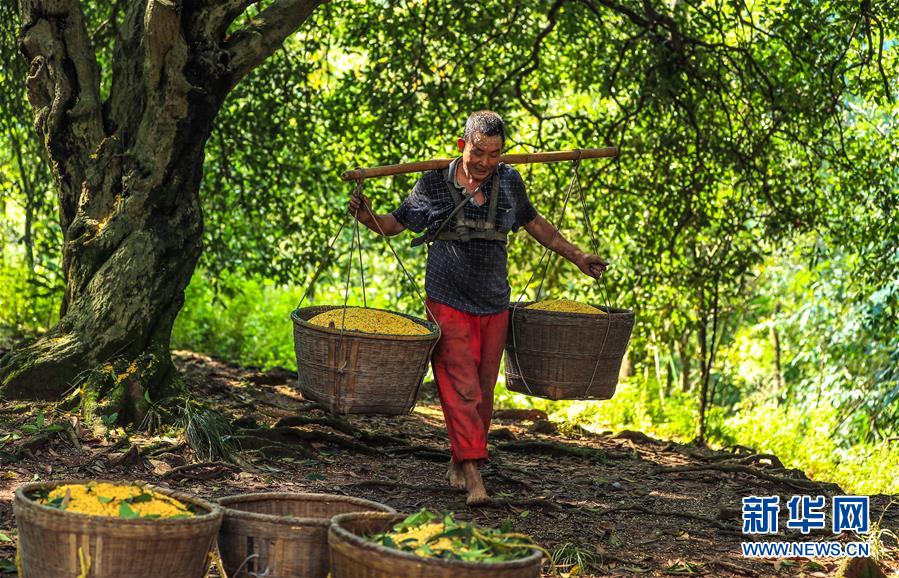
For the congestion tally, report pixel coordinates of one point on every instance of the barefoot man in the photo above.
(467, 280)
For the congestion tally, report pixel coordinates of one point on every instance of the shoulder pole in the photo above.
(513, 159)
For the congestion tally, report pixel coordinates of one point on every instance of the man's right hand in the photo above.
(360, 207)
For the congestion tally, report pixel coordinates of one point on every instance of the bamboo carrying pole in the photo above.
(517, 159)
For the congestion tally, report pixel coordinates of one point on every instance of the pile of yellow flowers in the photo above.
(369, 321)
(114, 500)
(566, 306)
(442, 536)
(426, 539)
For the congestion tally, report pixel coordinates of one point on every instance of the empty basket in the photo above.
(282, 535)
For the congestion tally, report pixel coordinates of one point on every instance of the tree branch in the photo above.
(265, 34)
(212, 22)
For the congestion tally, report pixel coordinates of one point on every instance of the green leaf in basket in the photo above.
(104, 500)
(388, 541)
(142, 497)
(4, 538)
(58, 503)
(126, 512)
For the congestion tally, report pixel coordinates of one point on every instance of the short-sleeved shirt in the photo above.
(470, 276)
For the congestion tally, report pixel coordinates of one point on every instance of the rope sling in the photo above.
(575, 178)
(356, 240)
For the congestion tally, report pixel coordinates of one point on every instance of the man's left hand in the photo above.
(592, 265)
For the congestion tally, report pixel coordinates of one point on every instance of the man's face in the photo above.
(481, 155)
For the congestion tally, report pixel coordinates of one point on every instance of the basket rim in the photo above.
(358, 541)
(214, 511)
(611, 312)
(434, 329)
(294, 496)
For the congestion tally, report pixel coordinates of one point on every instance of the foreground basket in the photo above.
(353, 372)
(559, 355)
(282, 535)
(58, 544)
(355, 557)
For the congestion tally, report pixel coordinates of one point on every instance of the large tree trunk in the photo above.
(128, 176)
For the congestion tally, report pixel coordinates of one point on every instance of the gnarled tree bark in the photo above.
(128, 174)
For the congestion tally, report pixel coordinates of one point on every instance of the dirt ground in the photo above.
(621, 504)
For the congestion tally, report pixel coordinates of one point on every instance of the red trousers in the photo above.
(466, 364)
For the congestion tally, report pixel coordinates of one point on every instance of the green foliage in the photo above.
(806, 439)
(26, 308)
(207, 432)
(249, 324)
(755, 194)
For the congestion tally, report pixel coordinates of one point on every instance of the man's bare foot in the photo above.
(477, 493)
(455, 476)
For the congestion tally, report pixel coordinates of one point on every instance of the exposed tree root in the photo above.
(288, 435)
(201, 471)
(532, 502)
(555, 449)
(423, 452)
(493, 473)
(635, 436)
(340, 425)
(794, 483)
(749, 460)
(403, 485)
(273, 449)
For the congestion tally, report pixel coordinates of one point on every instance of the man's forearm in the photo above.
(551, 238)
(564, 248)
(385, 224)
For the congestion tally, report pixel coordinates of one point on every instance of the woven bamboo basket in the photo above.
(282, 535)
(352, 556)
(59, 544)
(561, 355)
(354, 372)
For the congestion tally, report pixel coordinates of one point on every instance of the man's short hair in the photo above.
(487, 123)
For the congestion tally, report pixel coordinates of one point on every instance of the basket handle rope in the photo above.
(399, 261)
(575, 179)
(326, 259)
(601, 281)
(576, 165)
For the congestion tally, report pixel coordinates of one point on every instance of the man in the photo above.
(467, 280)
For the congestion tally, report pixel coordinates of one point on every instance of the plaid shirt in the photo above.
(469, 276)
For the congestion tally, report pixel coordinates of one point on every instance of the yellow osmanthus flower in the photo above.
(369, 321)
(421, 535)
(442, 536)
(105, 499)
(566, 306)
